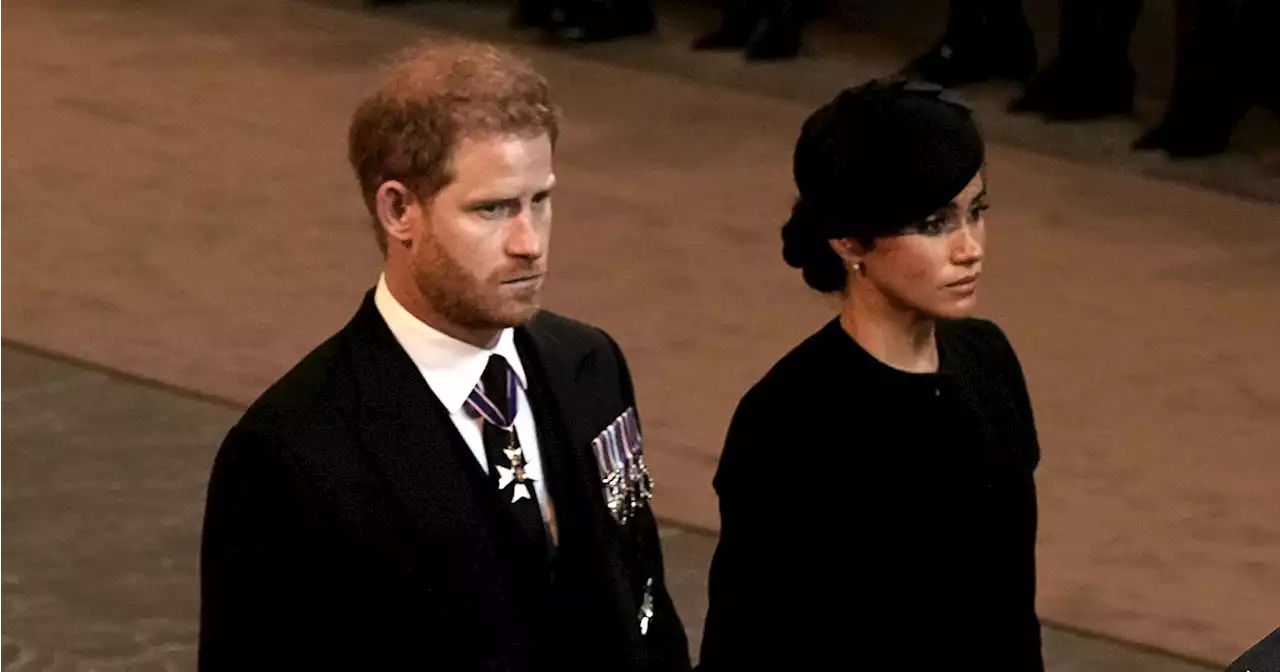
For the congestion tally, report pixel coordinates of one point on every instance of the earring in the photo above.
(857, 267)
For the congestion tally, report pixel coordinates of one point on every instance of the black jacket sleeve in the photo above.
(746, 624)
(257, 561)
(1027, 631)
(667, 646)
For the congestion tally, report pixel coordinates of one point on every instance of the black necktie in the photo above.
(494, 400)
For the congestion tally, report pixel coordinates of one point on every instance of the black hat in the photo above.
(885, 155)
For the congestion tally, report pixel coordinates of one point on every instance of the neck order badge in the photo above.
(494, 400)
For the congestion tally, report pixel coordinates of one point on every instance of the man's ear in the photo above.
(397, 209)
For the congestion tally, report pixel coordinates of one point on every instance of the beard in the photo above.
(466, 301)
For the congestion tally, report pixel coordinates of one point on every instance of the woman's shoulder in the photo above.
(770, 412)
(973, 329)
(978, 339)
(799, 368)
(979, 348)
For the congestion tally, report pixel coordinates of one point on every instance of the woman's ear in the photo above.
(849, 250)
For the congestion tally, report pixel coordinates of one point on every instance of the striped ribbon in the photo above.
(484, 406)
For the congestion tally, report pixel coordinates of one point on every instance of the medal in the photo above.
(624, 478)
(515, 473)
(646, 607)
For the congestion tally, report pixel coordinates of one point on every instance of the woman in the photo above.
(876, 487)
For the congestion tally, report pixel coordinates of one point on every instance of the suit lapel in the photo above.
(412, 440)
(554, 369)
(549, 390)
(413, 443)
(589, 546)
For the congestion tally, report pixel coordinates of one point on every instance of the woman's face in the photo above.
(933, 268)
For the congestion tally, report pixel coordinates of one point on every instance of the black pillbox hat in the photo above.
(885, 155)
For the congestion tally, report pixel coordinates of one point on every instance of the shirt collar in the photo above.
(451, 367)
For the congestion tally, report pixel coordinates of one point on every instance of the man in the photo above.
(455, 480)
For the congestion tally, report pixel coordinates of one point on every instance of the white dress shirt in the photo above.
(452, 369)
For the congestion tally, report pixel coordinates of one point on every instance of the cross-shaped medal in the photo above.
(515, 473)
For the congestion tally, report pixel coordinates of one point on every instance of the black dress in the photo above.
(873, 519)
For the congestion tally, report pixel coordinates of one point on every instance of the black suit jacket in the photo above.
(348, 526)
(1261, 657)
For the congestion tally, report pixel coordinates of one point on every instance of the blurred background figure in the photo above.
(763, 29)
(1091, 76)
(586, 20)
(1225, 65)
(984, 39)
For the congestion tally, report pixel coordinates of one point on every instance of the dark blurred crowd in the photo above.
(1224, 65)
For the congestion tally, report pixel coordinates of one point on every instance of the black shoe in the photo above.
(727, 36)
(949, 66)
(1270, 100)
(600, 28)
(1072, 92)
(531, 14)
(944, 66)
(774, 40)
(1154, 139)
(1045, 89)
(1196, 145)
(1110, 94)
(1186, 139)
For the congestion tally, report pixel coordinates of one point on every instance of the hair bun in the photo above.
(801, 237)
(805, 246)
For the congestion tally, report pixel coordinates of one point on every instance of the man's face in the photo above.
(477, 250)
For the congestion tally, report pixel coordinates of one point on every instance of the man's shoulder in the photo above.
(570, 336)
(565, 327)
(1261, 657)
(307, 395)
(588, 355)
